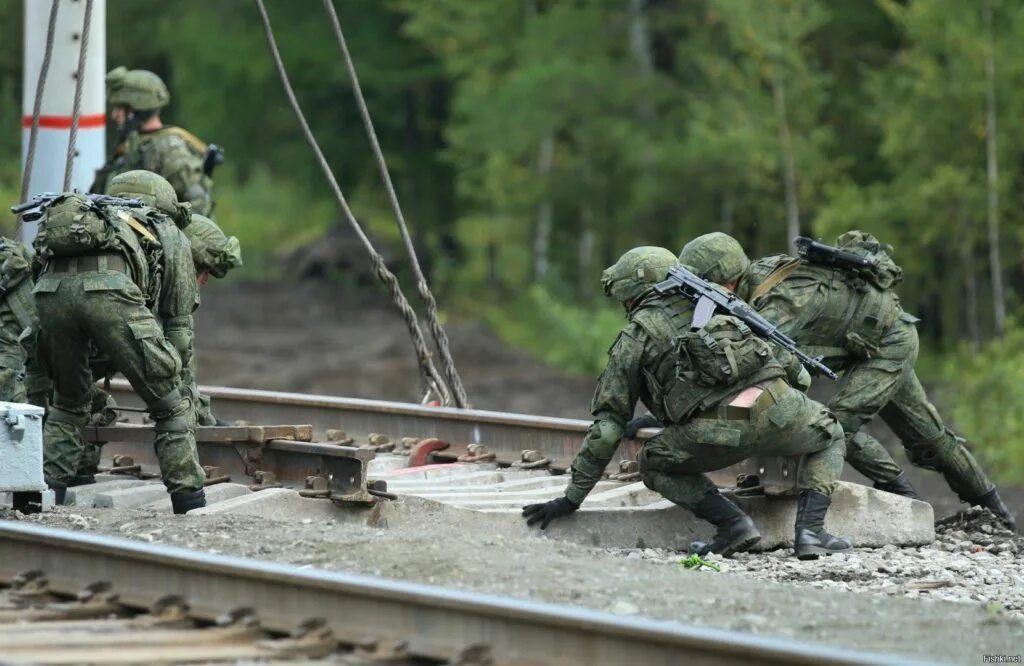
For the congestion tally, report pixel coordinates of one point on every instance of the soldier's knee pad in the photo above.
(59, 415)
(936, 453)
(171, 424)
(165, 405)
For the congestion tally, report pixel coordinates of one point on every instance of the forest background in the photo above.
(533, 141)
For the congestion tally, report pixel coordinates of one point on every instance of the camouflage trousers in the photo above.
(887, 385)
(105, 310)
(782, 422)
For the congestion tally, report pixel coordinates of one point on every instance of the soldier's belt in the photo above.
(727, 411)
(109, 261)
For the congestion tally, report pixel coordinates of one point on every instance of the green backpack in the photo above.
(723, 352)
(73, 225)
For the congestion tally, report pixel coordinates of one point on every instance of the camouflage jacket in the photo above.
(171, 152)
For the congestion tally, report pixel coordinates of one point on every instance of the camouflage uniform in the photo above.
(215, 253)
(855, 321)
(704, 431)
(104, 298)
(18, 320)
(171, 152)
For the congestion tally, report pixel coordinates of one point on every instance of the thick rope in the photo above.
(37, 107)
(436, 330)
(430, 375)
(76, 109)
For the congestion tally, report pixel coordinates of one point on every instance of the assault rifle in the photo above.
(709, 298)
(814, 252)
(31, 210)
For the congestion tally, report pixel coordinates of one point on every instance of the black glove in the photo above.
(634, 426)
(548, 511)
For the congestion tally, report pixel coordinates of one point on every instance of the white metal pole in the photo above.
(58, 97)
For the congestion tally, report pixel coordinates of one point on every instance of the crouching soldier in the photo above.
(112, 268)
(723, 397)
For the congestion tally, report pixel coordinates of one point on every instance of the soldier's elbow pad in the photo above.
(604, 438)
(178, 331)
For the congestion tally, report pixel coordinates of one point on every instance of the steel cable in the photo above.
(431, 377)
(436, 330)
(76, 109)
(37, 107)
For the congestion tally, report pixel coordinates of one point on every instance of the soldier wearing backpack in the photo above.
(852, 317)
(186, 162)
(723, 396)
(118, 278)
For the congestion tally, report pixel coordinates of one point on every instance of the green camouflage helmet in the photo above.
(136, 88)
(152, 189)
(212, 251)
(636, 271)
(716, 257)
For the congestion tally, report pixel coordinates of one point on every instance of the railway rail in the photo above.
(504, 435)
(69, 597)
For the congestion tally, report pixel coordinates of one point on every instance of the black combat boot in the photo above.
(811, 539)
(735, 532)
(82, 479)
(183, 502)
(59, 491)
(994, 503)
(898, 486)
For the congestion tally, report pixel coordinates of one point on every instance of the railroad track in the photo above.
(74, 598)
(505, 436)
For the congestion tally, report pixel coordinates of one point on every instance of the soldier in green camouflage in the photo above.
(136, 97)
(18, 320)
(213, 253)
(108, 269)
(854, 320)
(714, 417)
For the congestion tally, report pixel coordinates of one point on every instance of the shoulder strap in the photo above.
(773, 280)
(193, 141)
(137, 226)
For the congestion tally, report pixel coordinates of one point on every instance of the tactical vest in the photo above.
(828, 311)
(698, 369)
(139, 151)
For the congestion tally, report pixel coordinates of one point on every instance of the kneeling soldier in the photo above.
(723, 397)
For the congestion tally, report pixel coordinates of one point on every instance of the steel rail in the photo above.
(506, 434)
(432, 621)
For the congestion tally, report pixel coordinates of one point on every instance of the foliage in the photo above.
(984, 393)
(556, 331)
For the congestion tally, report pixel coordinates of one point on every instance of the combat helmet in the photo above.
(716, 257)
(212, 250)
(636, 271)
(136, 88)
(152, 189)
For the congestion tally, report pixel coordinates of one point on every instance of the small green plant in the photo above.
(696, 562)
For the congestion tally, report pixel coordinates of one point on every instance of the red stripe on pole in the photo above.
(64, 122)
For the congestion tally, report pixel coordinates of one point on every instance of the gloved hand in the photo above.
(635, 425)
(548, 511)
(803, 380)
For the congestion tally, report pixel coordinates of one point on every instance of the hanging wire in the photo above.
(436, 330)
(430, 375)
(76, 110)
(37, 107)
